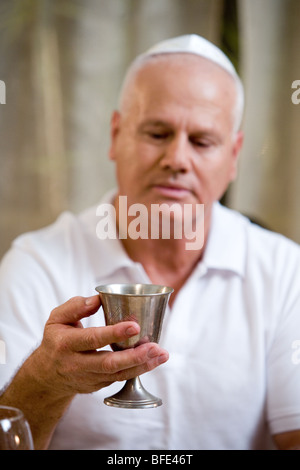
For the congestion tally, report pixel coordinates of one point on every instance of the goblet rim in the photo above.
(18, 414)
(102, 289)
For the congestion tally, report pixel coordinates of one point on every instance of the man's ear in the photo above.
(114, 130)
(237, 145)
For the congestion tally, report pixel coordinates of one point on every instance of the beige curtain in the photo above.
(268, 186)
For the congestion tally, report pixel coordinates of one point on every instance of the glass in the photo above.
(145, 304)
(15, 433)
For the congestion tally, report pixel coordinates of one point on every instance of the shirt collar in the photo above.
(109, 255)
(227, 242)
(225, 248)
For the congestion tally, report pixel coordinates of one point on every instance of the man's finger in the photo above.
(74, 310)
(142, 359)
(89, 339)
(116, 365)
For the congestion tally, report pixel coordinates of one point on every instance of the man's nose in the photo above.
(176, 155)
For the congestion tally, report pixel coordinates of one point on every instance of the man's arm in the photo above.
(68, 362)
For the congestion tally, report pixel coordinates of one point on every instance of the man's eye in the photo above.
(159, 135)
(201, 143)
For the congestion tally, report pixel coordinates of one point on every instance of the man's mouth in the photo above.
(171, 190)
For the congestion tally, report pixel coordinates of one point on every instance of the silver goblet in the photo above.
(146, 305)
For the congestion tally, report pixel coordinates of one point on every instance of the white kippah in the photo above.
(193, 44)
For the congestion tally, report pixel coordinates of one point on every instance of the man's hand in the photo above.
(69, 361)
(69, 358)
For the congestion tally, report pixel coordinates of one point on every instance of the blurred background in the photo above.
(63, 61)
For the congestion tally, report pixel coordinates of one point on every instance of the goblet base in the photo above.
(133, 395)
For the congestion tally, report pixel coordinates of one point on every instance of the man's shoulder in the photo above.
(67, 232)
(261, 240)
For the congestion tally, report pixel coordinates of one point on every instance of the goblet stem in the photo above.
(133, 395)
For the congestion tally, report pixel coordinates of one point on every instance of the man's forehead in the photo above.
(167, 80)
(181, 76)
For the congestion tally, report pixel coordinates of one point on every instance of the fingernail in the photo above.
(90, 300)
(131, 331)
(162, 358)
(152, 352)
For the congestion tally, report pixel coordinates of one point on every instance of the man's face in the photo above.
(173, 141)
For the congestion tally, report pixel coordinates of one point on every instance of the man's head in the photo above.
(175, 138)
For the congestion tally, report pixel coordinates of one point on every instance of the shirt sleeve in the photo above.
(283, 359)
(26, 300)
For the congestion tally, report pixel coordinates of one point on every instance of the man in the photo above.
(229, 379)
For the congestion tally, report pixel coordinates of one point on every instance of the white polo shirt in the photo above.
(233, 334)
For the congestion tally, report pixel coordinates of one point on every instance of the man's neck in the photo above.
(166, 262)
